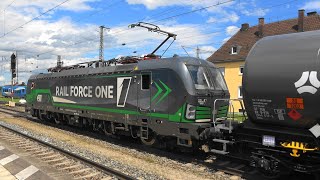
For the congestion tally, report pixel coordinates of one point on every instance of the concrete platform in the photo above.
(16, 164)
(14, 167)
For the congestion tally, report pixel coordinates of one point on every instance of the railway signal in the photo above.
(13, 65)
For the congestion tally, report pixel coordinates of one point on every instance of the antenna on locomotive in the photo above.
(154, 28)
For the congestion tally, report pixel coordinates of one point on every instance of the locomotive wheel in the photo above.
(152, 137)
(107, 128)
(33, 112)
(39, 115)
(56, 119)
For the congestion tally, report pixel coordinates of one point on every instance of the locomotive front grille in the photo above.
(222, 111)
(203, 113)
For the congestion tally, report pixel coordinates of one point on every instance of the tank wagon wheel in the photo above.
(316, 175)
(273, 173)
(151, 140)
(270, 175)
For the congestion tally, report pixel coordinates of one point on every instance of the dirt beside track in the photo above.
(161, 166)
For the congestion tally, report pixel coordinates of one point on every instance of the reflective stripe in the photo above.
(203, 120)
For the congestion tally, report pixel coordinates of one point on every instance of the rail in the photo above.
(89, 162)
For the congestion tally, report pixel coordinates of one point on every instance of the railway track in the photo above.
(72, 164)
(228, 165)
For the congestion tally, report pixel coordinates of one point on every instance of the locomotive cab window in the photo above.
(207, 78)
(145, 81)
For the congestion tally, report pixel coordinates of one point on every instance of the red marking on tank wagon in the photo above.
(294, 114)
(295, 103)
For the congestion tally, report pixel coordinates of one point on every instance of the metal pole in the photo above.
(101, 44)
(4, 22)
(17, 69)
(198, 52)
(11, 85)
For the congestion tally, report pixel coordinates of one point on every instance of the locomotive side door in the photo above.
(144, 102)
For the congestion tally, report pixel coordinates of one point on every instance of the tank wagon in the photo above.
(281, 97)
(169, 101)
(280, 86)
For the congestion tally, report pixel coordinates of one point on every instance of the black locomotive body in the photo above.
(166, 100)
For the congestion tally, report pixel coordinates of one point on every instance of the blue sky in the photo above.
(71, 30)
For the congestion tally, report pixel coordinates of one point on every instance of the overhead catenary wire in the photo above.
(9, 4)
(181, 14)
(92, 14)
(80, 42)
(49, 10)
(268, 7)
(163, 20)
(193, 11)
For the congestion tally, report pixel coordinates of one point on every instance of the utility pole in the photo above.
(4, 22)
(59, 62)
(13, 72)
(17, 66)
(198, 52)
(101, 49)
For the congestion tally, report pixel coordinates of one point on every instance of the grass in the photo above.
(238, 117)
(3, 99)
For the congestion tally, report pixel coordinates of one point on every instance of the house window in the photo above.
(234, 50)
(222, 70)
(240, 92)
(241, 68)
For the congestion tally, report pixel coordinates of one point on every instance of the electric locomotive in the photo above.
(157, 100)
(166, 101)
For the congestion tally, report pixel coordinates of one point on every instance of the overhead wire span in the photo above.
(51, 9)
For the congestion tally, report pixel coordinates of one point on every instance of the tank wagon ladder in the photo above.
(220, 125)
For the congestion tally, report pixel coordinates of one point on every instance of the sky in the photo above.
(39, 30)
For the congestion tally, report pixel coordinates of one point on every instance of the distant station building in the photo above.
(231, 56)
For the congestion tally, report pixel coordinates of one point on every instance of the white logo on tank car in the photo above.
(312, 77)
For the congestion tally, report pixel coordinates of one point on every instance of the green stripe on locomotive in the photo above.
(176, 117)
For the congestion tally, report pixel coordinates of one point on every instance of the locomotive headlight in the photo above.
(190, 112)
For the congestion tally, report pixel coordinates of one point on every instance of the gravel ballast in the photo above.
(139, 164)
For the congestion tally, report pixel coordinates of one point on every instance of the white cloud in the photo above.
(153, 4)
(2, 78)
(227, 17)
(204, 51)
(225, 39)
(51, 37)
(255, 12)
(207, 51)
(44, 5)
(311, 5)
(139, 38)
(231, 30)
